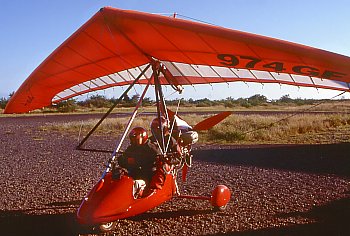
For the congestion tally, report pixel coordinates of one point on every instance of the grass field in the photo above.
(321, 122)
(240, 129)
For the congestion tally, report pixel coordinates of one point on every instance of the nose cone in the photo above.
(108, 199)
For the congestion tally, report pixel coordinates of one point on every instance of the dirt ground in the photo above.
(276, 189)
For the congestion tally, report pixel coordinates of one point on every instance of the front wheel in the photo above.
(106, 227)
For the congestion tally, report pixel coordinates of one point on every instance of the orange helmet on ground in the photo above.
(138, 136)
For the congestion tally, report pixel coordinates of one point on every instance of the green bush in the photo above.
(3, 102)
(67, 106)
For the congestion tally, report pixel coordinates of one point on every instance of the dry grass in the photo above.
(240, 129)
(109, 125)
(274, 129)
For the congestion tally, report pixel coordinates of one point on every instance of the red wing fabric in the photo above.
(114, 46)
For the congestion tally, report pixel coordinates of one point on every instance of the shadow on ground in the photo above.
(170, 214)
(319, 159)
(330, 219)
(34, 222)
(21, 223)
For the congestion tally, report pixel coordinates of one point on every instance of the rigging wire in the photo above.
(174, 15)
(81, 126)
(292, 115)
(173, 125)
(194, 19)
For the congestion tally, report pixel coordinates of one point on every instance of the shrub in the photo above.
(3, 102)
(97, 101)
(67, 106)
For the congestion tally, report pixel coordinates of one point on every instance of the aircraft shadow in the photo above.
(170, 214)
(20, 222)
(25, 222)
(330, 219)
(318, 159)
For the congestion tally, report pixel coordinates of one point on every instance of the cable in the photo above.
(194, 19)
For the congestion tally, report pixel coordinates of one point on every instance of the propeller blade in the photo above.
(170, 113)
(211, 121)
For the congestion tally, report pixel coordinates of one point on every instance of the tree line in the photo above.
(100, 101)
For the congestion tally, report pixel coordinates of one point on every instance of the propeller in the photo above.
(211, 121)
(206, 123)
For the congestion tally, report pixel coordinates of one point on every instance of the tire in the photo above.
(222, 208)
(106, 227)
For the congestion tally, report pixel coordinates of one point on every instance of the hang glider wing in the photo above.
(114, 46)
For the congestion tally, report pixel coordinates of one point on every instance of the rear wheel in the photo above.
(106, 227)
(220, 208)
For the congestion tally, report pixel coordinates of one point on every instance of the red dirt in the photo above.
(277, 189)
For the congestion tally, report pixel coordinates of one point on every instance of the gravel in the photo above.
(276, 189)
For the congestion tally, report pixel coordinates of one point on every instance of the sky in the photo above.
(31, 30)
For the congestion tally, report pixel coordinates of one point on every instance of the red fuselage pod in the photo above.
(112, 199)
(220, 196)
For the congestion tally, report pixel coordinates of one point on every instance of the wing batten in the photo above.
(181, 73)
(199, 74)
(116, 79)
